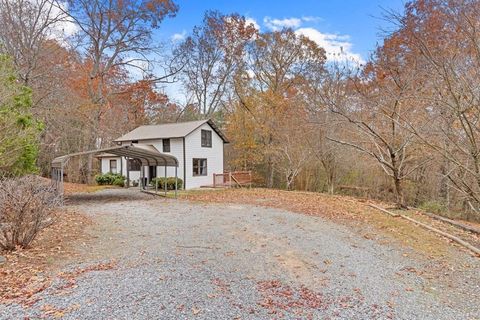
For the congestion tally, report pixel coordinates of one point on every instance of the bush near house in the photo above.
(27, 207)
(114, 179)
(170, 183)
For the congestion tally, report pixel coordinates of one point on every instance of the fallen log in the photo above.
(384, 211)
(452, 222)
(426, 226)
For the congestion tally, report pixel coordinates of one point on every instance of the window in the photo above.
(166, 145)
(206, 138)
(113, 166)
(134, 165)
(199, 167)
(134, 141)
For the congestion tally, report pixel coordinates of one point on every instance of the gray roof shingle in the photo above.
(168, 130)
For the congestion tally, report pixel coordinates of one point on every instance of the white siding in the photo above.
(214, 156)
(106, 164)
(176, 150)
(105, 167)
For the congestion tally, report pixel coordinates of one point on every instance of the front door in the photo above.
(152, 173)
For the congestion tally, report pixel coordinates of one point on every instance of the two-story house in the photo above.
(197, 145)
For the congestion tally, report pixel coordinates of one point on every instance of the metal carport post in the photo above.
(165, 181)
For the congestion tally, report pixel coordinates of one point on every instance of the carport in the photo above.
(146, 154)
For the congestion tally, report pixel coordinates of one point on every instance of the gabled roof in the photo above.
(168, 130)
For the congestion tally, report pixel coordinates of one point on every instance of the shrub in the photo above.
(27, 207)
(433, 207)
(170, 183)
(115, 179)
(119, 181)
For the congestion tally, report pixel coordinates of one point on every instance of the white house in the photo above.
(197, 145)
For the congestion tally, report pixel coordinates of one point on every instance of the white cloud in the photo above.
(311, 19)
(337, 47)
(252, 22)
(278, 24)
(60, 26)
(179, 36)
(293, 22)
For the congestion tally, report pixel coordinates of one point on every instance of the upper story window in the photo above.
(166, 145)
(207, 138)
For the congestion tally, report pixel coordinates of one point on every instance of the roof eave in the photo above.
(217, 130)
(148, 139)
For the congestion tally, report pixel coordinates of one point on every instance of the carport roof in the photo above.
(148, 155)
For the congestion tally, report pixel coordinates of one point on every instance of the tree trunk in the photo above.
(270, 173)
(329, 167)
(331, 188)
(289, 180)
(444, 184)
(89, 169)
(399, 194)
(331, 180)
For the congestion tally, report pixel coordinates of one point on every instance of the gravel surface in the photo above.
(180, 260)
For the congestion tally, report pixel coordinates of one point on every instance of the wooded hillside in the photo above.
(402, 127)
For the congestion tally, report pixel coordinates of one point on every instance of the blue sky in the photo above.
(353, 25)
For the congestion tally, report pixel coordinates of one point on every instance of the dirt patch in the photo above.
(295, 264)
(286, 261)
(29, 271)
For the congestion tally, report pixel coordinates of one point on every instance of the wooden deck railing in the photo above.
(232, 179)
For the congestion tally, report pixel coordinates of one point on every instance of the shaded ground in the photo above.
(150, 257)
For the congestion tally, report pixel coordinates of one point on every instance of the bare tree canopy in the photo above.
(25, 30)
(211, 56)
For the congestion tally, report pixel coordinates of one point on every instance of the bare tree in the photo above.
(377, 105)
(445, 34)
(114, 35)
(278, 65)
(291, 154)
(26, 27)
(324, 150)
(210, 57)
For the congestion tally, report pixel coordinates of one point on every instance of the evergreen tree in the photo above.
(19, 130)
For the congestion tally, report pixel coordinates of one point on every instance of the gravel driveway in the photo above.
(181, 260)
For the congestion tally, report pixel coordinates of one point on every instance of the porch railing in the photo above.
(232, 179)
